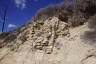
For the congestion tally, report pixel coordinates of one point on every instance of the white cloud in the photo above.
(12, 26)
(20, 3)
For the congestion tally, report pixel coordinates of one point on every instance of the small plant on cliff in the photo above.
(47, 12)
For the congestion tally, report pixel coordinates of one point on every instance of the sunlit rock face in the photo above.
(49, 41)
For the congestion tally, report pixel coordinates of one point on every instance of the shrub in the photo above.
(88, 7)
(63, 16)
(76, 20)
(92, 22)
(47, 12)
(66, 5)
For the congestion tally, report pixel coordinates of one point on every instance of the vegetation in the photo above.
(76, 10)
(47, 12)
(92, 22)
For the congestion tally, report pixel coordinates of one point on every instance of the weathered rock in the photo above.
(50, 30)
(47, 42)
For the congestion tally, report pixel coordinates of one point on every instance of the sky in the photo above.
(21, 11)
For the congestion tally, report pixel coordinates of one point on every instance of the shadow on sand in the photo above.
(90, 36)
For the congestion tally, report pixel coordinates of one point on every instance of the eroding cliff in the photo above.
(49, 41)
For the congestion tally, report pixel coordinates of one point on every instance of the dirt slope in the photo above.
(48, 41)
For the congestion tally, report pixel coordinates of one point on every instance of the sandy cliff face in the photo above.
(48, 41)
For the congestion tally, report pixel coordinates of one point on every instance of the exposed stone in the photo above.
(46, 42)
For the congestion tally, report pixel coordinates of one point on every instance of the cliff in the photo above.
(49, 41)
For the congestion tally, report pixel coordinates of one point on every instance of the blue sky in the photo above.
(21, 11)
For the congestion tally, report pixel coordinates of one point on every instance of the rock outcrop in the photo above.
(50, 41)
